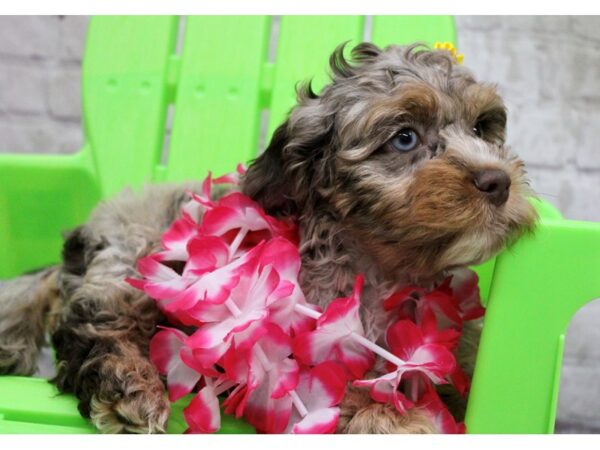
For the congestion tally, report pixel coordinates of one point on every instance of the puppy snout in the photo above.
(494, 184)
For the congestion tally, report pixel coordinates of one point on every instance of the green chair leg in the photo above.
(538, 285)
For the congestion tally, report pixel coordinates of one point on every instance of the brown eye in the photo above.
(478, 129)
(406, 140)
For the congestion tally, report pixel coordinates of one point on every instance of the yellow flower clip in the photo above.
(449, 47)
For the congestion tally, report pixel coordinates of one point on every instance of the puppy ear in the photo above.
(264, 181)
(297, 166)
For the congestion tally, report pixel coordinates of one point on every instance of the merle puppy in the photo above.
(397, 169)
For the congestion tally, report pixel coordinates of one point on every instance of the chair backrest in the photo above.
(218, 75)
(167, 99)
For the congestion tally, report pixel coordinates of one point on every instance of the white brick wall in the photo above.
(40, 66)
(547, 68)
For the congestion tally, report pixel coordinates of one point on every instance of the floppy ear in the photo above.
(297, 166)
(264, 181)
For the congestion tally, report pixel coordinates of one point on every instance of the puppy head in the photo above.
(406, 151)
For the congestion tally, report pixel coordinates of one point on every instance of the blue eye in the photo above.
(406, 140)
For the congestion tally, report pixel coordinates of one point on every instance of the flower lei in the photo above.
(229, 272)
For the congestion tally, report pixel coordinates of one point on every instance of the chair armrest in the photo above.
(538, 285)
(41, 196)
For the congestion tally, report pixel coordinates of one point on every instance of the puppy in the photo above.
(396, 169)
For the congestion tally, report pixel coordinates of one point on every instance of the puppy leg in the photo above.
(24, 303)
(101, 338)
(360, 415)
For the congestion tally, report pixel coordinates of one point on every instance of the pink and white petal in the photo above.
(432, 334)
(162, 282)
(207, 357)
(436, 361)
(400, 297)
(181, 380)
(236, 401)
(196, 363)
(335, 325)
(214, 333)
(206, 253)
(445, 308)
(203, 414)
(404, 338)
(176, 238)
(274, 342)
(164, 348)
(384, 389)
(313, 347)
(323, 386)
(266, 414)
(211, 287)
(437, 410)
(283, 256)
(286, 378)
(355, 357)
(341, 317)
(284, 314)
(320, 421)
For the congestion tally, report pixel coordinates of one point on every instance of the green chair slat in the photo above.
(125, 96)
(217, 109)
(33, 401)
(305, 43)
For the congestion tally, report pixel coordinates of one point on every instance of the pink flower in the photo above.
(203, 414)
(210, 272)
(264, 412)
(262, 358)
(432, 334)
(454, 301)
(237, 211)
(410, 301)
(175, 240)
(164, 354)
(433, 361)
(160, 281)
(332, 338)
(320, 389)
(284, 257)
(246, 307)
(439, 414)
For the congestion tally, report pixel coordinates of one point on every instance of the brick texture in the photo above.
(546, 68)
(40, 71)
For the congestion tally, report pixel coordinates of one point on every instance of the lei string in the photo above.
(229, 272)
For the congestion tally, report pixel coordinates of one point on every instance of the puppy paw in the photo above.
(378, 418)
(131, 399)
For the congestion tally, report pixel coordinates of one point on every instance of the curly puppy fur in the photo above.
(362, 206)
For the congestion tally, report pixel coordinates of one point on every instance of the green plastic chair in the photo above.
(219, 85)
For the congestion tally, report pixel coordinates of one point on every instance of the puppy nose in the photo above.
(494, 184)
